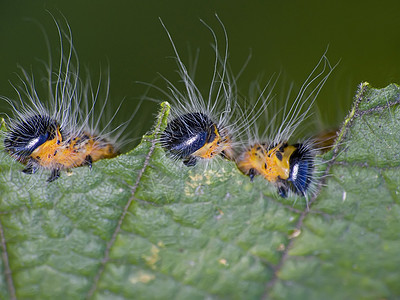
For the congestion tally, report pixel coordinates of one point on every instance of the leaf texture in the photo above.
(141, 226)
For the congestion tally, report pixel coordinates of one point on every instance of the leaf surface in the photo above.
(142, 226)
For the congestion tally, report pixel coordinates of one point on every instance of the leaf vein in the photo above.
(107, 251)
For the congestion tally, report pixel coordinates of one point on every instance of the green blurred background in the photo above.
(287, 36)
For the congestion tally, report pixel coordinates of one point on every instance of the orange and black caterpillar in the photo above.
(62, 133)
(205, 125)
(194, 135)
(39, 142)
(289, 167)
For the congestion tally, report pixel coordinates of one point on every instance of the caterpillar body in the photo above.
(203, 126)
(291, 167)
(62, 132)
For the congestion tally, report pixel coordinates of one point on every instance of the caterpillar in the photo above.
(61, 132)
(203, 126)
(291, 167)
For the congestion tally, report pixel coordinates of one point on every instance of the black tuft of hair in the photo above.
(24, 136)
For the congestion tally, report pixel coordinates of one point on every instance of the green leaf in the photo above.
(143, 227)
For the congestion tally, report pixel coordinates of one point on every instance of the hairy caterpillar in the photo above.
(291, 167)
(57, 128)
(203, 126)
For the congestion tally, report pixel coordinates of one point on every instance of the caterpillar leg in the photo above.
(55, 174)
(31, 168)
(252, 173)
(88, 161)
(190, 161)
